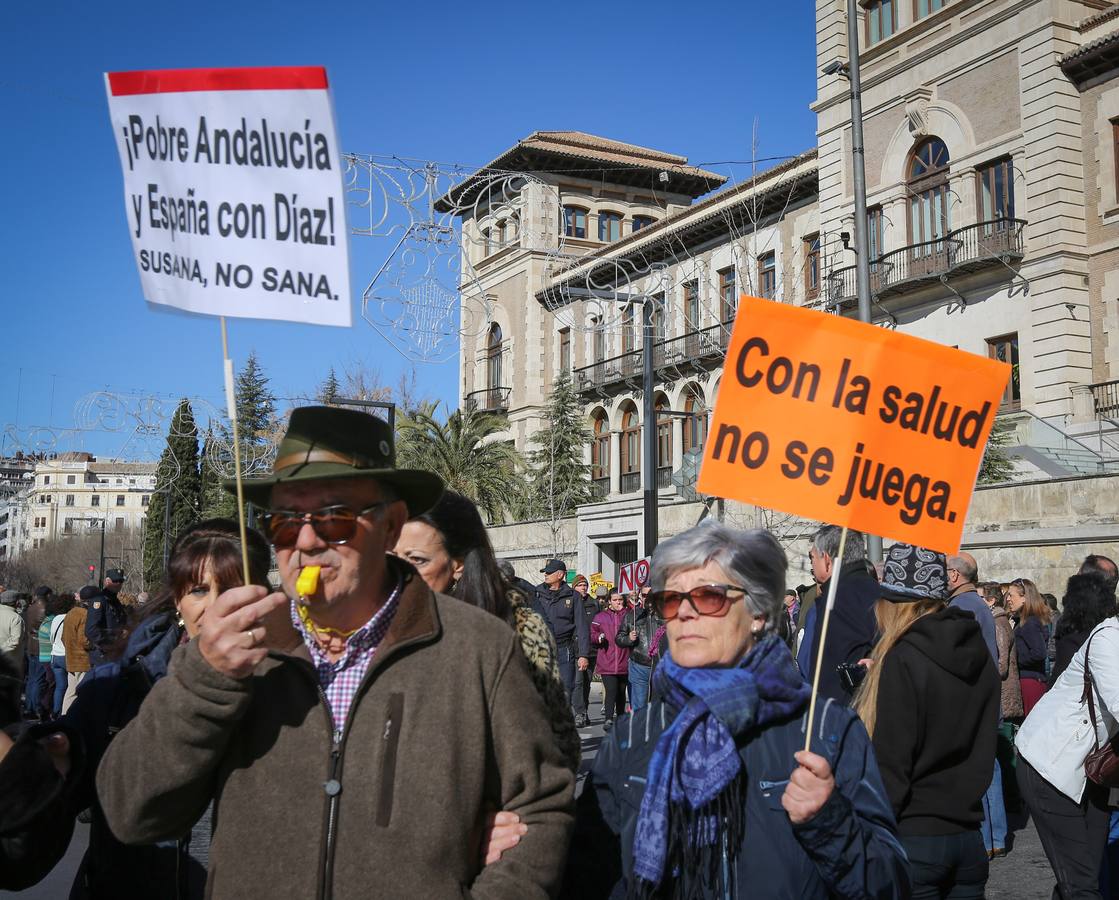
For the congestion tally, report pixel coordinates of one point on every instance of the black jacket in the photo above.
(645, 624)
(563, 611)
(590, 610)
(937, 718)
(851, 631)
(108, 699)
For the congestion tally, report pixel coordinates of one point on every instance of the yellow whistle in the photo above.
(308, 582)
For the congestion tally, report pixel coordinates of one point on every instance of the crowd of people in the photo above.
(404, 695)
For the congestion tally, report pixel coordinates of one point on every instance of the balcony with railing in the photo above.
(631, 482)
(970, 249)
(1105, 397)
(694, 351)
(600, 488)
(491, 400)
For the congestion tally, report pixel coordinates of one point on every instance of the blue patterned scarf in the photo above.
(694, 798)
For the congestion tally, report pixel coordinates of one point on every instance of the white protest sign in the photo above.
(634, 576)
(233, 189)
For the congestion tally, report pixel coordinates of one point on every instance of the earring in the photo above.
(757, 628)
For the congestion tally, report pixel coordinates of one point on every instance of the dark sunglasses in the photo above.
(333, 524)
(707, 600)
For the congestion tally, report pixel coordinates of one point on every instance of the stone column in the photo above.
(615, 463)
(965, 205)
(1083, 404)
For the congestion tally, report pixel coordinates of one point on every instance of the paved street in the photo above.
(1023, 875)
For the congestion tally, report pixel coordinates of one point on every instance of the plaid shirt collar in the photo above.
(360, 646)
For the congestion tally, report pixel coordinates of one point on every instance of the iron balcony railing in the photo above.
(962, 250)
(495, 399)
(1105, 394)
(600, 487)
(694, 348)
(631, 482)
(664, 477)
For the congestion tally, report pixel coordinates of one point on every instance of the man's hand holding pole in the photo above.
(236, 633)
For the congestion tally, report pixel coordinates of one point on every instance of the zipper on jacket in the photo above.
(391, 741)
(332, 787)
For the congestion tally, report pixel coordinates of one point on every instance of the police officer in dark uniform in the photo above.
(563, 610)
(104, 624)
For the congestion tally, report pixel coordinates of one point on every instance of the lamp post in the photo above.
(858, 177)
(649, 414)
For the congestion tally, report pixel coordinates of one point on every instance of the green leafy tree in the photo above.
(561, 479)
(461, 453)
(178, 491)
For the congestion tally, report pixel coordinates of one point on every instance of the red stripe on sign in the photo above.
(174, 81)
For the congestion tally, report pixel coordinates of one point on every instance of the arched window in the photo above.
(631, 450)
(600, 454)
(664, 443)
(695, 425)
(929, 206)
(493, 359)
(609, 225)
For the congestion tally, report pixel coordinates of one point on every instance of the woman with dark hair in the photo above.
(450, 549)
(1088, 601)
(1031, 638)
(205, 561)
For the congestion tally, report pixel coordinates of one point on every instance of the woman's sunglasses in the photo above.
(332, 524)
(707, 600)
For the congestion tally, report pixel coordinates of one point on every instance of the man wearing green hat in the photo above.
(355, 731)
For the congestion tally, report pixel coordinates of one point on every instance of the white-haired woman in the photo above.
(708, 792)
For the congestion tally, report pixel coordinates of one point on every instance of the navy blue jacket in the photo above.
(108, 699)
(564, 612)
(1031, 639)
(851, 632)
(849, 849)
(105, 618)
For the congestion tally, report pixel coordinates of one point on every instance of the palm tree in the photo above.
(486, 471)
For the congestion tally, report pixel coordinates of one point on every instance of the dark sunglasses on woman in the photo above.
(707, 600)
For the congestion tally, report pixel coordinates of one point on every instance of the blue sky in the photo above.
(442, 81)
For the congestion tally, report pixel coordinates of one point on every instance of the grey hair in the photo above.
(507, 569)
(965, 567)
(752, 560)
(826, 540)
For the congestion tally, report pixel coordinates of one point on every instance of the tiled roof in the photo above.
(617, 156)
(1111, 12)
(711, 208)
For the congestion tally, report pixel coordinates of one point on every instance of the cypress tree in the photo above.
(215, 500)
(329, 391)
(561, 479)
(256, 405)
(178, 489)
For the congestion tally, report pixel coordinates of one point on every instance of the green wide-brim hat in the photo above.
(325, 442)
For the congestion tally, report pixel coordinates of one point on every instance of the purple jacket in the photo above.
(612, 659)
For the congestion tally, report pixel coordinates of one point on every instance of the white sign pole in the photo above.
(231, 403)
(833, 586)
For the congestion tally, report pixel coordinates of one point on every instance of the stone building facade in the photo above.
(991, 142)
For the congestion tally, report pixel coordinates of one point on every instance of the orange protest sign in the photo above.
(848, 423)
